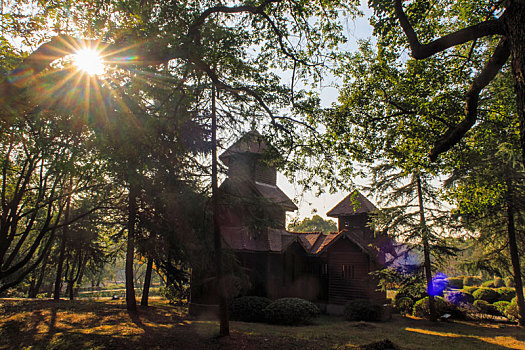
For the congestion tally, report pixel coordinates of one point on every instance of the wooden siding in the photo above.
(356, 224)
(355, 285)
(265, 174)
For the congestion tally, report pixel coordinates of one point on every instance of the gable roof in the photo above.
(354, 203)
(248, 189)
(274, 240)
(250, 143)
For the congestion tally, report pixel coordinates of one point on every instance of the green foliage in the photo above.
(291, 311)
(499, 282)
(413, 291)
(404, 305)
(176, 294)
(471, 281)
(421, 307)
(249, 308)
(501, 306)
(488, 284)
(506, 294)
(486, 308)
(486, 294)
(362, 310)
(455, 282)
(315, 224)
(509, 282)
(470, 290)
(459, 298)
(511, 312)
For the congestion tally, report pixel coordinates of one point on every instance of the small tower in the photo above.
(251, 185)
(353, 214)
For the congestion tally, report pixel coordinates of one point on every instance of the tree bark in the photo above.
(426, 251)
(514, 257)
(223, 302)
(61, 254)
(131, 302)
(36, 284)
(515, 29)
(147, 282)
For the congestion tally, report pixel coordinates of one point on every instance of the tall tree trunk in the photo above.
(220, 285)
(426, 251)
(514, 257)
(147, 282)
(131, 302)
(515, 29)
(61, 254)
(80, 277)
(36, 283)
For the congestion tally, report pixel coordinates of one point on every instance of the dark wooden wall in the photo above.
(348, 273)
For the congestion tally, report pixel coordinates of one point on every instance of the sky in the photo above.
(307, 202)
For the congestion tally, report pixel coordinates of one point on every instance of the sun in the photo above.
(89, 61)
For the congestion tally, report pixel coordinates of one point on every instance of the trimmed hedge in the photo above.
(459, 298)
(486, 308)
(249, 308)
(501, 306)
(506, 294)
(469, 290)
(498, 282)
(471, 281)
(404, 306)
(486, 294)
(291, 311)
(509, 282)
(421, 308)
(414, 291)
(362, 310)
(455, 282)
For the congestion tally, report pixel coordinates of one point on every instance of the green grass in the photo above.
(90, 324)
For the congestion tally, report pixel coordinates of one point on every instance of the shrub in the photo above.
(421, 308)
(488, 284)
(471, 281)
(486, 308)
(404, 305)
(511, 312)
(498, 282)
(509, 282)
(501, 306)
(469, 290)
(249, 309)
(290, 311)
(486, 294)
(506, 294)
(362, 310)
(459, 298)
(455, 282)
(414, 291)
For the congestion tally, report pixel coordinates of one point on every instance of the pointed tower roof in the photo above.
(250, 143)
(354, 203)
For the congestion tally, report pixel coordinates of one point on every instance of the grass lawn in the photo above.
(45, 324)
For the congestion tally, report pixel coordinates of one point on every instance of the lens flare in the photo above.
(89, 61)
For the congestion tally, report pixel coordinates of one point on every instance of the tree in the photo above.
(486, 186)
(493, 18)
(382, 122)
(314, 224)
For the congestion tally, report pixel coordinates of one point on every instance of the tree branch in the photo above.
(421, 51)
(493, 66)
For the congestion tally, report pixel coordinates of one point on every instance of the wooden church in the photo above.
(328, 269)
